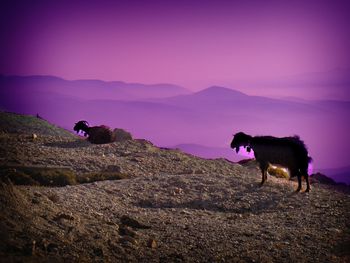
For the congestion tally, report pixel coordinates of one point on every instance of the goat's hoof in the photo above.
(298, 190)
(307, 190)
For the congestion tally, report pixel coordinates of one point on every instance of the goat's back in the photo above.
(290, 152)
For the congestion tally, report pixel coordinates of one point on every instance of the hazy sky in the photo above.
(191, 43)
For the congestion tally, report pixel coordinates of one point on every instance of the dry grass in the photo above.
(100, 176)
(52, 176)
(27, 124)
(36, 175)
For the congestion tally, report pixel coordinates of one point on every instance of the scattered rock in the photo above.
(134, 159)
(33, 247)
(126, 220)
(128, 239)
(322, 179)
(53, 197)
(177, 191)
(35, 200)
(278, 172)
(321, 205)
(37, 194)
(63, 216)
(187, 171)
(98, 251)
(336, 230)
(151, 243)
(185, 212)
(98, 213)
(126, 231)
(113, 169)
(121, 135)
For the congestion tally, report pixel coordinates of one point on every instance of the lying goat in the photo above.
(96, 134)
(289, 152)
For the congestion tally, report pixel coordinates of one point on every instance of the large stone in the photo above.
(151, 243)
(322, 179)
(126, 220)
(121, 135)
(126, 231)
(278, 172)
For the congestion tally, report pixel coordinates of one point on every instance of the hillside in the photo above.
(167, 206)
(16, 123)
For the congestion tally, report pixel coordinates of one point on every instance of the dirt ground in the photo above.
(172, 207)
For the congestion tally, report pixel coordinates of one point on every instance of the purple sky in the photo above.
(191, 43)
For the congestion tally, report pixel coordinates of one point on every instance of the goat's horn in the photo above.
(85, 122)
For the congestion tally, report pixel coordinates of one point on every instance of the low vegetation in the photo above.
(27, 124)
(100, 176)
(53, 176)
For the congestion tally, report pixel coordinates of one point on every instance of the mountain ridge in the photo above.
(99, 88)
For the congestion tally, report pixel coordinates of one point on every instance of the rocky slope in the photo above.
(171, 207)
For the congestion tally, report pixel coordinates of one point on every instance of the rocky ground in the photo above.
(171, 207)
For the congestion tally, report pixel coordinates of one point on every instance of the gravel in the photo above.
(191, 209)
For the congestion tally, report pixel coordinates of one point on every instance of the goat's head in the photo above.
(81, 126)
(241, 139)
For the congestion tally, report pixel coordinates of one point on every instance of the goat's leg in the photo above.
(307, 183)
(264, 176)
(299, 183)
(263, 168)
(297, 173)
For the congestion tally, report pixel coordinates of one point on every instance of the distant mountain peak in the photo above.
(221, 92)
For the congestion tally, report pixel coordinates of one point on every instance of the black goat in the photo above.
(289, 152)
(96, 134)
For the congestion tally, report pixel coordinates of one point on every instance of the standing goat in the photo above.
(96, 134)
(289, 152)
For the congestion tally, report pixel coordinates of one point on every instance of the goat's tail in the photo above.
(309, 166)
(309, 159)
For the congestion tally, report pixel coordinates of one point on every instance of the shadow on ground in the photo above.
(247, 201)
(70, 144)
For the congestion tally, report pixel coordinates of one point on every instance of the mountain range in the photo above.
(332, 84)
(200, 122)
(90, 88)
